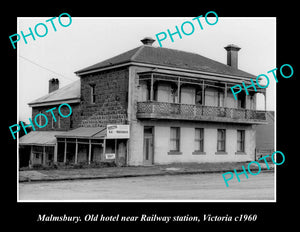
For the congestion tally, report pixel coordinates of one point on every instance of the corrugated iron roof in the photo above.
(66, 94)
(46, 138)
(171, 58)
(84, 132)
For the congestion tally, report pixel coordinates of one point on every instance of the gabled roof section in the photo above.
(67, 94)
(46, 138)
(119, 59)
(170, 58)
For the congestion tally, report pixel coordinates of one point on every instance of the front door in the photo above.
(148, 145)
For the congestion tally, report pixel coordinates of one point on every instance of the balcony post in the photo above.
(178, 90)
(203, 94)
(151, 88)
(225, 95)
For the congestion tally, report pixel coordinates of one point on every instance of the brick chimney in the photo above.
(53, 84)
(232, 55)
(148, 41)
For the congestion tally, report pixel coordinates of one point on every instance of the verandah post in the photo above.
(65, 151)
(76, 151)
(151, 88)
(90, 152)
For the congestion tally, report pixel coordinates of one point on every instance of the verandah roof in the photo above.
(48, 138)
(40, 138)
(85, 133)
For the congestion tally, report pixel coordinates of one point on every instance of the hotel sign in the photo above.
(117, 132)
(110, 156)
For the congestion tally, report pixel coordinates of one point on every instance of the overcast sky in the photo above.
(90, 40)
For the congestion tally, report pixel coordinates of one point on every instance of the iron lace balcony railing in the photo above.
(168, 110)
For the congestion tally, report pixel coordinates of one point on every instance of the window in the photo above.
(175, 139)
(241, 98)
(198, 97)
(174, 94)
(221, 140)
(40, 118)
(52, 122)
(199, 138)
(240, 140)
(58, 121)
(93, 93)
(220, 99)
(55, 124)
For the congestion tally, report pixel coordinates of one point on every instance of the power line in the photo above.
(45, 68)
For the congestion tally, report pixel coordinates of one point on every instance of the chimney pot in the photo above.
(232, 55)
(148, 41)
(53, 85)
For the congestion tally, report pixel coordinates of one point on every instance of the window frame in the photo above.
(222, 140)
(199, 141)
(93, 93)
(176, 140)
(241, 140)
(52, 123)
(40, 118)
(221, 99)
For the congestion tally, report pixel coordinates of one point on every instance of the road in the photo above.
(179, 187)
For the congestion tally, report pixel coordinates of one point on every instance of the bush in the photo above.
(68, 165)
(108, 164)
(50, 166)
(79, 165)
(97, 164)
(37, 166)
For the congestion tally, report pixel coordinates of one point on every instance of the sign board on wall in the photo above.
(110, 156)
(117, 132)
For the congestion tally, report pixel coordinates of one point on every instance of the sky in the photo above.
(89, 40)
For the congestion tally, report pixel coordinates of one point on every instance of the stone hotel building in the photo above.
(176, 107)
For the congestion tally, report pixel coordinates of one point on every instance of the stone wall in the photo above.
(111, 98)
(62, 123)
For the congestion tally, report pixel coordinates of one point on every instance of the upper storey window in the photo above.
(93, 93)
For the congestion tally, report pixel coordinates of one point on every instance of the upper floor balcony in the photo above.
(177, 111)
(181, 97)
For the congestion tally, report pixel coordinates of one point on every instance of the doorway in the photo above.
(241, 101)
(148, 145)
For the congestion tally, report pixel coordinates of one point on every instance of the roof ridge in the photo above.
(140, 48)
(108, 60)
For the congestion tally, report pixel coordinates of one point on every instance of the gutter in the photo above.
(55, 102)
(162, 67)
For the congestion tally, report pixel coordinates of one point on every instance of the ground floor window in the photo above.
(199, 139)
(221, 140)
(240, 140)
(175, 139)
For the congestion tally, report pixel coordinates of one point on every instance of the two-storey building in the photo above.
(178, 106)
